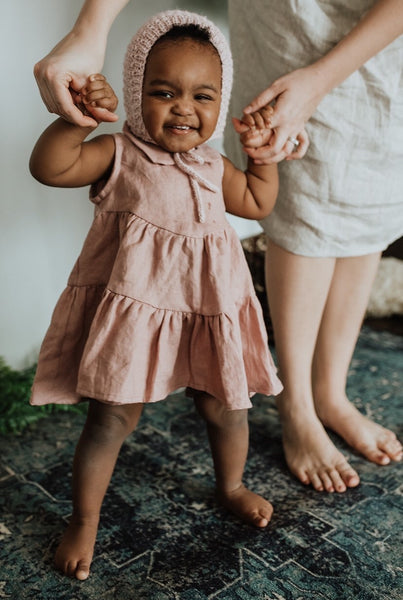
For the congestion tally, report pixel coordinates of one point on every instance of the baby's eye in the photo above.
(204, 97)
(162, 94)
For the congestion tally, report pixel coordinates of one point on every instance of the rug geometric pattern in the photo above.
(162, 536)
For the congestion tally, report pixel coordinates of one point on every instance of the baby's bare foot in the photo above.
(311, 455)
(376, 443)
(247, 505)
(74, 554)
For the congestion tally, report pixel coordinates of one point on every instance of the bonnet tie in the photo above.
(195, 180)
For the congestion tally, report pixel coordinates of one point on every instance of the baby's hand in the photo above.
(98, 97)
(255, 128)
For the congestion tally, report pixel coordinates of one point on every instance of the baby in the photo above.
(161, 296)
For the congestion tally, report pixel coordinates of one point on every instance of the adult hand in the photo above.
(295, 96)
(63, 72)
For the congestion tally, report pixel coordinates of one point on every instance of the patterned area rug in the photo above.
(162, 537)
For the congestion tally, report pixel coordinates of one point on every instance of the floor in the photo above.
(162, 536)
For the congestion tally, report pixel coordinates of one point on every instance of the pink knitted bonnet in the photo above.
(136, 57)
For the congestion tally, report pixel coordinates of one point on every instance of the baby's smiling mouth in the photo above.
(180, 128)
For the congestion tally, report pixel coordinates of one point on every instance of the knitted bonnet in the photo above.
(136, 58)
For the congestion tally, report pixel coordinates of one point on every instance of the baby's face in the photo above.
(181, 93)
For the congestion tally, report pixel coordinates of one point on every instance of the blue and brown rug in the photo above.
(162, 537)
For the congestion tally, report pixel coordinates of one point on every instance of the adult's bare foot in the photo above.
(247, 505)
(311, 455)
(74, 553)
(376, 443)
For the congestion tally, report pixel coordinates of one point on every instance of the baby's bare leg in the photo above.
(105, 429)
(228, 433)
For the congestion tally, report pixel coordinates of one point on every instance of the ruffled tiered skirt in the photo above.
(148, 311)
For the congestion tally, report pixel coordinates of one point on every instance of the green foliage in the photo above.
(15, 411)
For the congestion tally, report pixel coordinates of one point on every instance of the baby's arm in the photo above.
(253, 193)
(62, 158)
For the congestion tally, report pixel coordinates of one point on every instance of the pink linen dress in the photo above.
(157, 300)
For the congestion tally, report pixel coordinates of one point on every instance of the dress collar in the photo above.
(183, 160)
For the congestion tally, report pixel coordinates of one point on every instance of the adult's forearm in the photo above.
(97, 16)
(381, 25)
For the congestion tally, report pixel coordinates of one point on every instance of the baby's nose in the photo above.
(183, 107)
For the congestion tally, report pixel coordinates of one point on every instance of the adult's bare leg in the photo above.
(105, 429)
(297, 289)
(341, 322)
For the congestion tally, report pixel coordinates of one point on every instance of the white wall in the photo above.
(42, 229)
